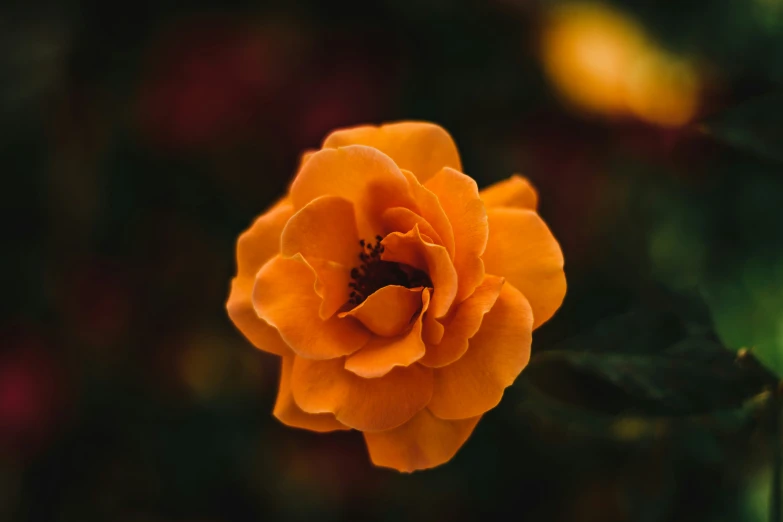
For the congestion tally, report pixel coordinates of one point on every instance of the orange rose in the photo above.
(401, 300)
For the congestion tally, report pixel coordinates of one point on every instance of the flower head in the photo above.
(401, 299)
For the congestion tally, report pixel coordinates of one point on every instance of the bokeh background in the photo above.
(139, 139)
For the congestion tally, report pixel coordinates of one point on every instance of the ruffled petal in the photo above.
(362, 175)
(495, 357)
(464, 324)
(331, 285)
(256, 330)
(423, 148)
(325, 228)
(388, 311)
(423, 442)
(412, 249)
(514, 192)
(400, 219)
(284, 296)
(306, 155)
(363, 404)
(324, 233)
(433, 330)
(261, 242)
(430, 209)
(459, 197)
(292, 415)
(255, 247)
(379, 356)
(523, 250)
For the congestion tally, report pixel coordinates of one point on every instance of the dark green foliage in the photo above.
(755, 125)
(654, 361)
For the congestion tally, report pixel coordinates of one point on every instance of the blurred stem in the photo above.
(775, 510)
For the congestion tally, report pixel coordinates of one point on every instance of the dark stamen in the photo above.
(374, 273)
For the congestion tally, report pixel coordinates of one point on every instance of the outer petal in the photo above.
(412, 249)
(382, 354)
(464, 324)
(364, 176)
(389, 311)
(257, 331)
(292, 415)
(325, 228)
(421, 147)
(522, 249)
(255, 247)
(363, 404)
(306, 155)
(285, 297)
(423, 442)
(458, 194)
(514, 192)
(495, 357)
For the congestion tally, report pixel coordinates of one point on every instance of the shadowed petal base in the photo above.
(423, 442)
(287, 411)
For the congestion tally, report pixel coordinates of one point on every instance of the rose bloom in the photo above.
(401, 299)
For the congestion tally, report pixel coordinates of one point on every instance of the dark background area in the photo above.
(139, 139)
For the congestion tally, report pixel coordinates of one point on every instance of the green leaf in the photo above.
(755, 126)
(659, 359)
(693, 377)
(531, 401)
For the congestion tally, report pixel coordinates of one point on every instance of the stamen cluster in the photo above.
(374, 273)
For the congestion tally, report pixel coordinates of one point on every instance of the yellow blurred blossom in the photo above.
(603, 62)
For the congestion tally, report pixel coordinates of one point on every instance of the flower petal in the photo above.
(514, 192)
(256, 330)
(364, 176)
(523, 250)
(423, 442)
(379, 356)
(325, 228)
(412, 249)
(400, 219)
(285, 297)
(495, 357)
(464, 324)
(459, 197)
(423, 148)
(255, 247)
(292, 415)
(324, 233)
(433, 330)
(331, 286)
(431, 210)
(388, 311)
(363, 404)
(306, 155)
(261, 242)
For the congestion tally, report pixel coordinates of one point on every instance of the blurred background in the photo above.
(139, 139)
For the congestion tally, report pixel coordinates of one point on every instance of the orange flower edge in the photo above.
(401, 298)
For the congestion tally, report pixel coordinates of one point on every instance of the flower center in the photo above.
(375, 273)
